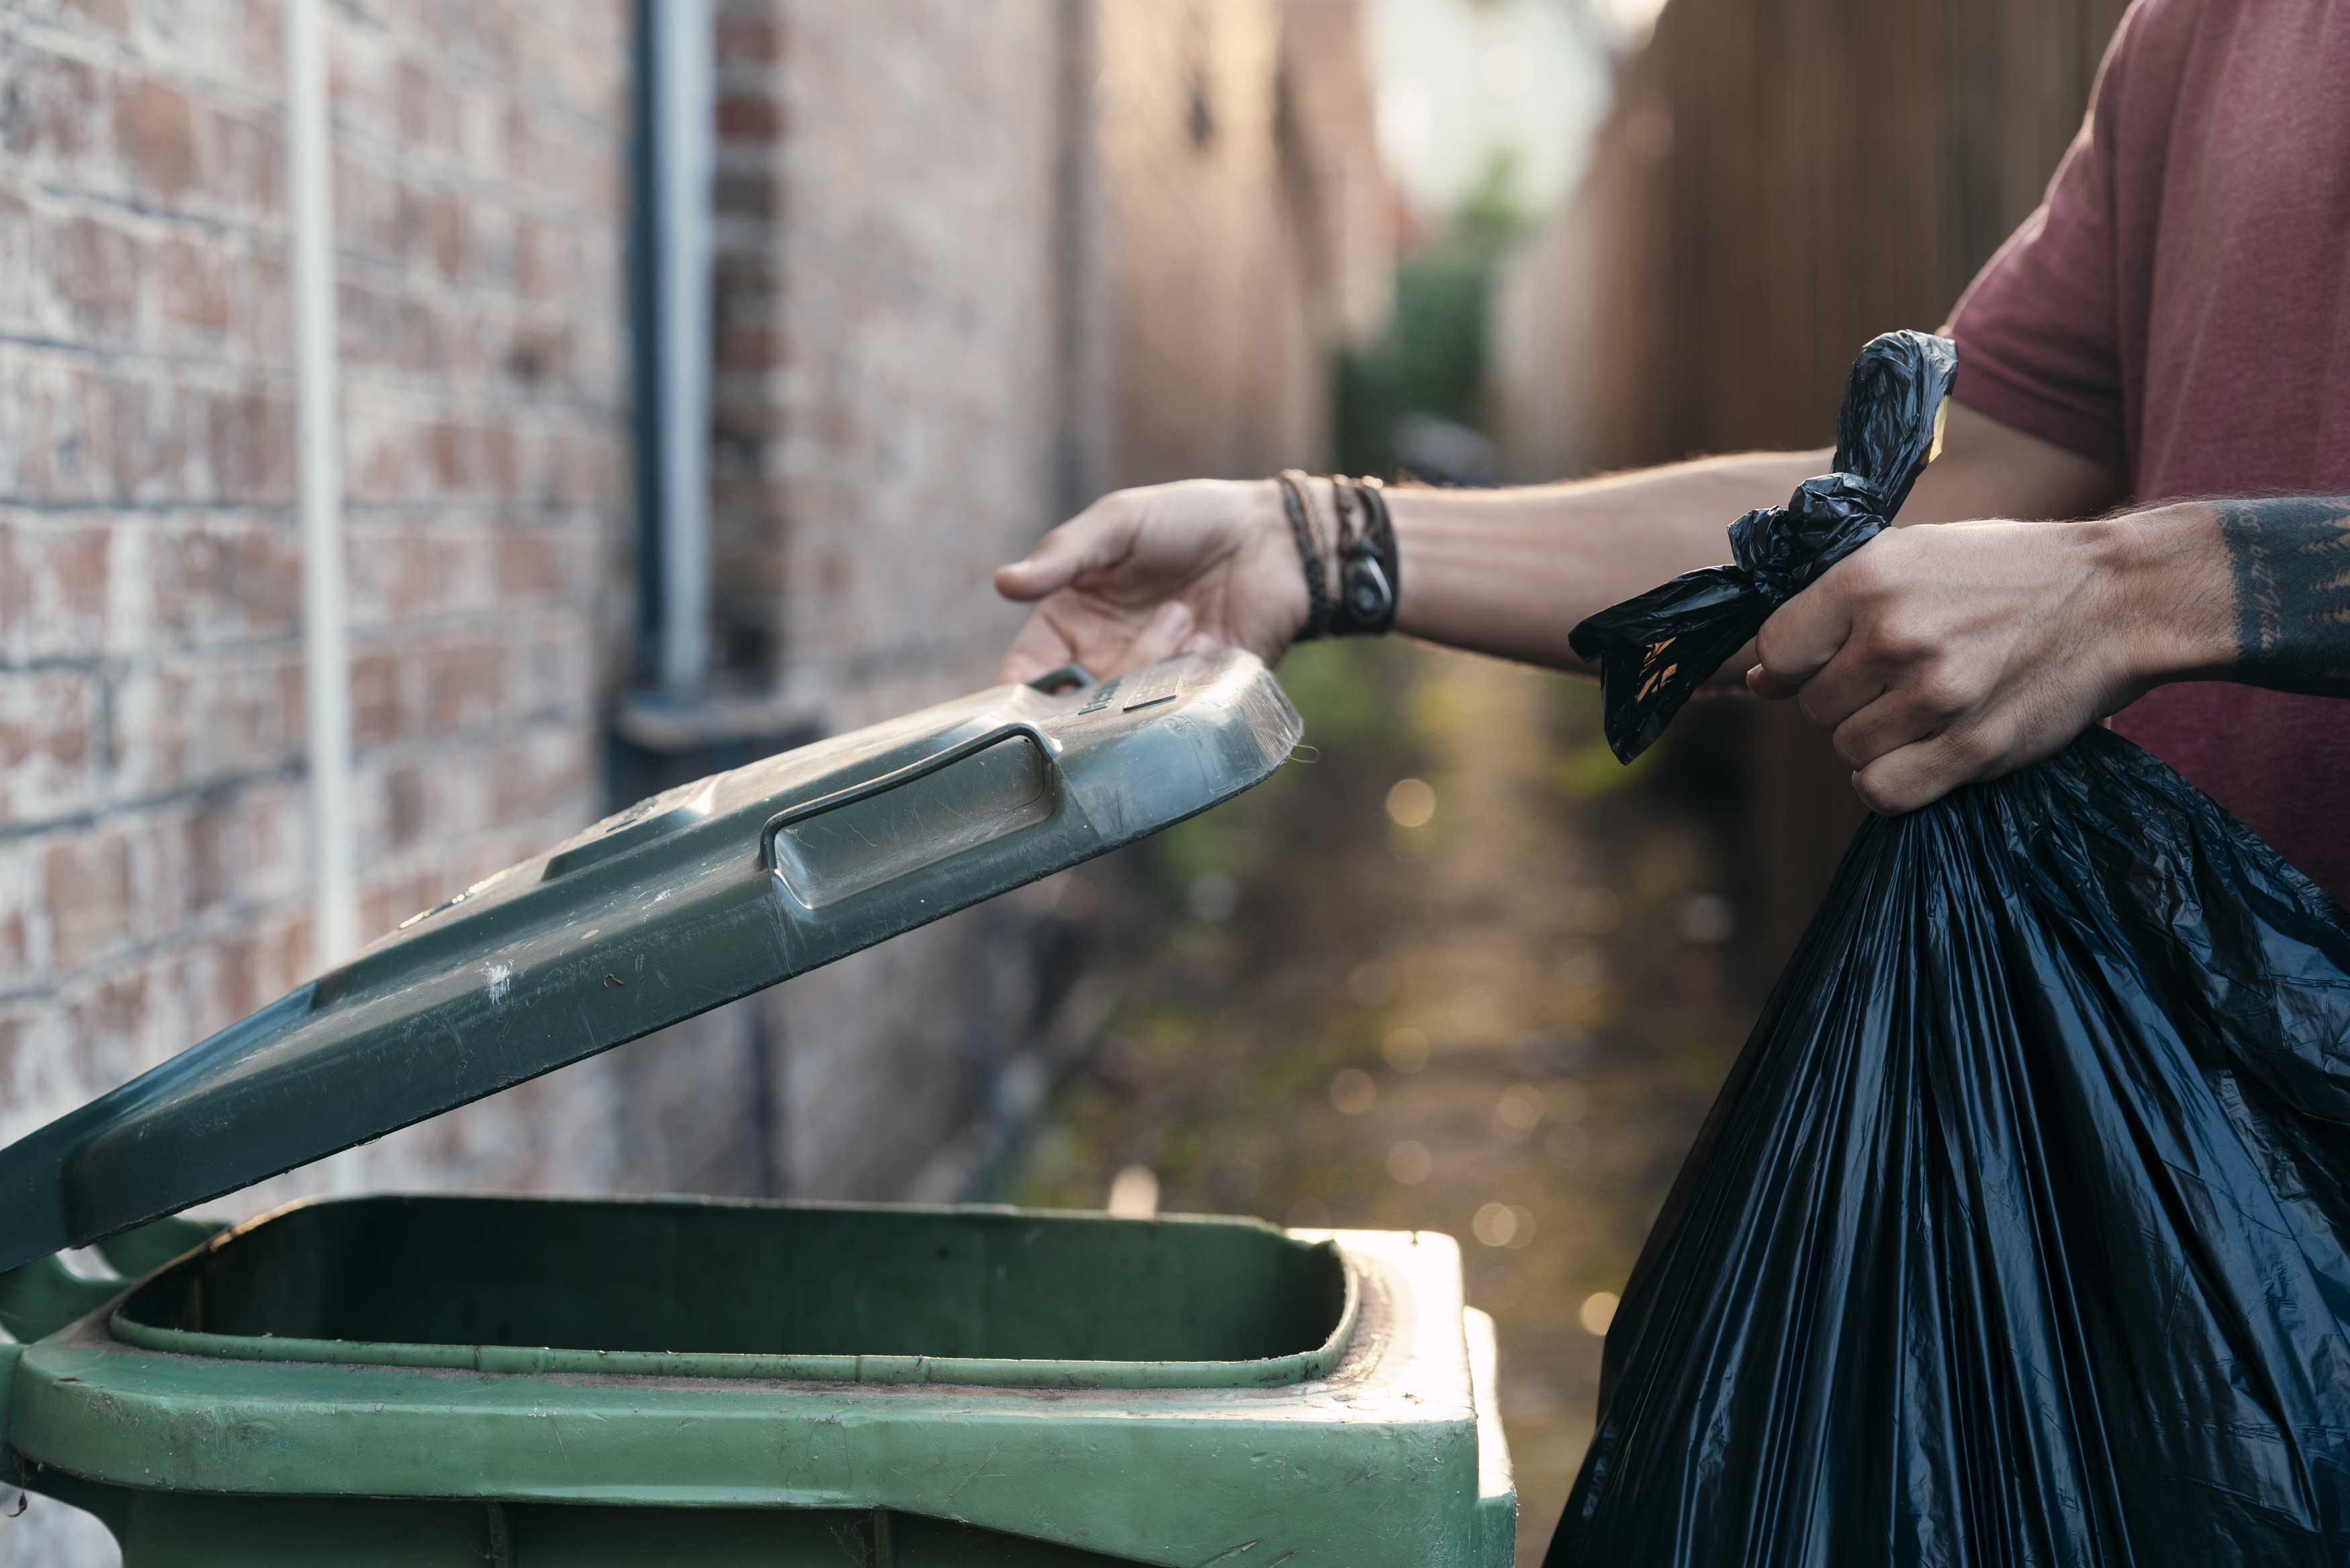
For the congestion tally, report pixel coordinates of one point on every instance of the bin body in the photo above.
(463, 1380)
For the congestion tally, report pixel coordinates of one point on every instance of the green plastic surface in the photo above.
(703, 1288)
(1387, 1456)
(684, 901)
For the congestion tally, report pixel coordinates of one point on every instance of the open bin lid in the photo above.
(698, 895)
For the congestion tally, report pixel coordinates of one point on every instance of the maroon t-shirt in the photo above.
(2180, 308)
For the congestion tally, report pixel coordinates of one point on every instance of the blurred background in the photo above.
(693, 360)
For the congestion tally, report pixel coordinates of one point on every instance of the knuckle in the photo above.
(1862, 573)
(1943, 689)
(1852, 748)
(1896, 639)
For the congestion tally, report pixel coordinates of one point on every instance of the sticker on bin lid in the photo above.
(1160, 682)
(693, 898)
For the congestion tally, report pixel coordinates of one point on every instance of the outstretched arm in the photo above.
(1145, 572)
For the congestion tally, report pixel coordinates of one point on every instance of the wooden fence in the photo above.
(1781, 181)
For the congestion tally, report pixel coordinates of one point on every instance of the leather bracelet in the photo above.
(1368, 578)
(1294, 502)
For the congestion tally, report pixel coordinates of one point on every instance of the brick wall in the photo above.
(151, 713)
(153, 848)
(973, 265)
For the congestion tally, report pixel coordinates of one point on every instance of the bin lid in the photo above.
(700, 895)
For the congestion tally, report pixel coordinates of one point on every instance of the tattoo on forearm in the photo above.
(2291, 558)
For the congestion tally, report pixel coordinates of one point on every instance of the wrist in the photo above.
(1344, 546)
(1366, 571)
(2170, 600)
(1284, 573)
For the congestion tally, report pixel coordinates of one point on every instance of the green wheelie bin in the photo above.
(462, 1380)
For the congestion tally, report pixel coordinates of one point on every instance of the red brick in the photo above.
(412, 105)
(22, 283)
(364, 324)
(110, 16)
(259, 964)
(24, 888)
(530, 563)
(56, 110)
(205, 720)
(745, 348)
(250, 162)
(47, 744)
(53, 587)
(444, 228)
(559, 776)
(748, 116)
(263, 843)
(155, 126)
(14, 1086)
(376, 718)
(110, 1015)
(208, 581)
(464, 684)
(368, 217)
(404, 805)
(88, 896)
(266, 315)
(449, 442)
(423, 338)
(135, 435)
(96, 279)
(538, 256)
(749, 39)
(194, 284)
(399, 571)
(261, 40)
(249, 441)
(204, 836)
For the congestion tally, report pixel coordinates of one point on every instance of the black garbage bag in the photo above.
(2021, 1232)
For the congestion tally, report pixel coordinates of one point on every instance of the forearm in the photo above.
(2254, 590)
(1510, 572)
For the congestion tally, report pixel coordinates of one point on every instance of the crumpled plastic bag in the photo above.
(1655, 650)
(2019, 1234)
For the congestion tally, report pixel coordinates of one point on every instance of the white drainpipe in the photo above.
(326, 609)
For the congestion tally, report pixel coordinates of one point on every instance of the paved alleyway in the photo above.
(1460, 972)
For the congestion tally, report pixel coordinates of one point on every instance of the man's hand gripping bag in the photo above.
(2018, 1234)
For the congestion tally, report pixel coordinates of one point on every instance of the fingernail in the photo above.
(1176, 618)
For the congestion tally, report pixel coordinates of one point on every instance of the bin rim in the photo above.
(1307, 1365)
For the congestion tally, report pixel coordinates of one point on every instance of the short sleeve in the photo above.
(2037, 328)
